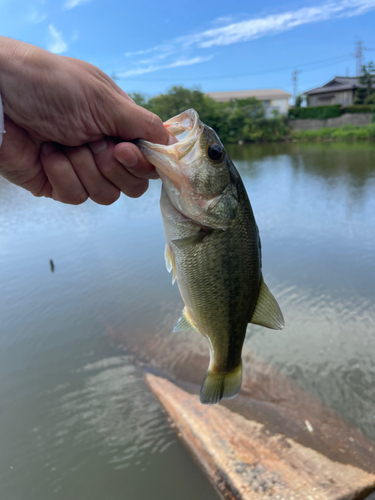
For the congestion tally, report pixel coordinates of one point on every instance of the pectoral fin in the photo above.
(267, 311)
(190, 240)
(185, 323)
(170, 262)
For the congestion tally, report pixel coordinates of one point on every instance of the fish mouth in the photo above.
(186, 128)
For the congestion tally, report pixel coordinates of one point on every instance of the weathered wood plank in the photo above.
(246, 462)
(267, 396)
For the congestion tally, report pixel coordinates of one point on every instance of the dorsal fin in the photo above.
(185, 323)
(170, 262)
(267, 311)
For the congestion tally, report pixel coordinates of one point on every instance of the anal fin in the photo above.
(267, 311)
(185, 323)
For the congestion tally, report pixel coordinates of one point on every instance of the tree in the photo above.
(139, 98)
(236, 120)
(299, 101)
(367, 78)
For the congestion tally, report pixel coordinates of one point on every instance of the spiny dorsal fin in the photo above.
(267, 311)
(185, 323)
(170, 262)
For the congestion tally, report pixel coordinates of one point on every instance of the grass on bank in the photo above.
(345, 133)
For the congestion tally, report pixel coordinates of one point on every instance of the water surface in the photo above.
(77, 420)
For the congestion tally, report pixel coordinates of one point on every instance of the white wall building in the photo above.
(273, 99)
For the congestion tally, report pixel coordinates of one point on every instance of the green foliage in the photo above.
(357, 109)
(177, 99)
(366, 95)
(317, 112)
(345, 133)
(360, 96)
(299, 101)
(237, 120)
(139, 98)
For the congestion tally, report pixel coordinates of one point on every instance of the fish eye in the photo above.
(215, 152)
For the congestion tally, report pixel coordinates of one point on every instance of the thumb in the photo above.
(19, 159)
(134, 122)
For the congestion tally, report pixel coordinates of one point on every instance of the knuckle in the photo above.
(107, 168)
(154, 125)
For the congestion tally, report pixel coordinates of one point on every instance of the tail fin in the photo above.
(224, 385)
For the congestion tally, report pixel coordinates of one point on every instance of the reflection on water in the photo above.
(76, 416)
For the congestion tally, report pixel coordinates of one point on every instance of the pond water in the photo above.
(76, 418)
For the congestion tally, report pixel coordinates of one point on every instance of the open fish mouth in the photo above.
(183, 126)
(187, 129)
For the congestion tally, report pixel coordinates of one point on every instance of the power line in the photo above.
(314, 65)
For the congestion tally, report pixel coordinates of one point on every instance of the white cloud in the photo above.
(70, 4)
(35, 17)
(253, 28)
(175, 64)
(140, 52)
(223, 19)
(57, 45)
(243, 31)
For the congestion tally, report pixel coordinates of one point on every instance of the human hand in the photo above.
(64, 120)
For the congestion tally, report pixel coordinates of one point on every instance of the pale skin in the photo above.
(68, 127)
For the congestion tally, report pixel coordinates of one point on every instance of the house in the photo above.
(272, 99)
(340, 90)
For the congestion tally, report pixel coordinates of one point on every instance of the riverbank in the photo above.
(345, 133)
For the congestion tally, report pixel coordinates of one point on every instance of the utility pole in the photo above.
(295, 84)
(358, 54)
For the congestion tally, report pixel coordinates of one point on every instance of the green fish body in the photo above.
(213, 248)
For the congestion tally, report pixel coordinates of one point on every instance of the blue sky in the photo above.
(217, 45)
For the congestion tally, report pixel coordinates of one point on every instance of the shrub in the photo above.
(317, 112)
(345, 133)
(357, 109)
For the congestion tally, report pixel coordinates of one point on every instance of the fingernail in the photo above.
(127, 157)
(97, 146)
(172, 140)
(47, 148)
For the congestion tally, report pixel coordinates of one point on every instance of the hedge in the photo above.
(358, 109)
(315, 112)
(345, 133)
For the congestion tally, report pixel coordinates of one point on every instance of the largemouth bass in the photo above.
(213, 248)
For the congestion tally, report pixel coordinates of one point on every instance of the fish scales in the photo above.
(232, 278)
(213, 248)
